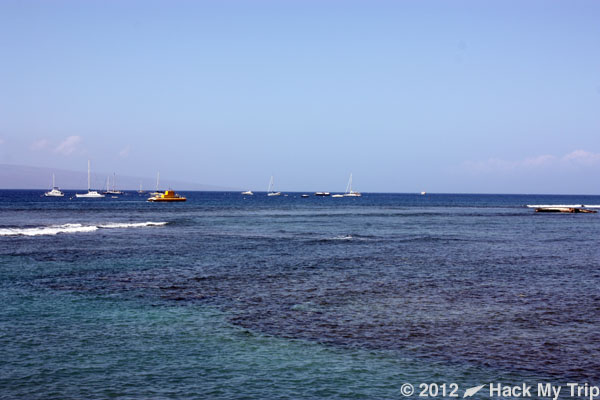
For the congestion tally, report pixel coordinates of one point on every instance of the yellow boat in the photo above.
(168, 195)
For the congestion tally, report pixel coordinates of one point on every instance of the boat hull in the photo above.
(89, 195)
(167, 197)
(163, 200)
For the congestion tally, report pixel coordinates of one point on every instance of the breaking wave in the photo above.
(73, 228)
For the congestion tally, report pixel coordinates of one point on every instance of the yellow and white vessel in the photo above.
(168, 195)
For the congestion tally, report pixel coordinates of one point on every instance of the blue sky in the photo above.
(443, 96)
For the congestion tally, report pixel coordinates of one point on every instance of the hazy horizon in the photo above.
(445, 97)
(36, 178)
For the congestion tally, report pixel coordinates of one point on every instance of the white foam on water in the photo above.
(347, 237)
(73, 228)
(130, 224)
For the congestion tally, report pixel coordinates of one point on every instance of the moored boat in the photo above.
(91, 194)
(349, 191)
(270, 191)
(167, 196)
(55, 192)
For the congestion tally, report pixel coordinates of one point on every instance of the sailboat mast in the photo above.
(89, 176)
(157, 179)
(349, 186)
(53, 184)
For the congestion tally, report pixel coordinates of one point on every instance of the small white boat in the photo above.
(337, 195)
(304, 196)
(91, 194)
(322, 194)
(423, 193)
(248, 193)
(141, 191)
(114, 189)
(156, 192)
(349, 191)
(55, 192)
(271, 192)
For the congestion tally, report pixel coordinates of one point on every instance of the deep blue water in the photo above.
(227, 297)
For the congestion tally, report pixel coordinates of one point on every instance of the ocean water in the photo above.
(230, 297)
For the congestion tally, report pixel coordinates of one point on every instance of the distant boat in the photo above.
(167, 196)
(322, 194)
(157, 192)
(349, 191)
(248, 193)
(423, 193)
(55, 192)
(91, 194)
(304, 195)
(141, 191)
(271, 192)
(337, 195)
(113, 190)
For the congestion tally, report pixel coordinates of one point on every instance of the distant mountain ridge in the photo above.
(26, 177)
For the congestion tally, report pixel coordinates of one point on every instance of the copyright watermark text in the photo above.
(499, 390)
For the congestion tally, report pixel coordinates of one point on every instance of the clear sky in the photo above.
(444, 96)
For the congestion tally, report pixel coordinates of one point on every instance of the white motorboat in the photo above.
(248, 193)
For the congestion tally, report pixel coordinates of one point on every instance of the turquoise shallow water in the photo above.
(252, 298)
(104, 347)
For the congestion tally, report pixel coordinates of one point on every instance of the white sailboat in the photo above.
(349, 191)
(55, 192)
(157, 192)
(91, 194)
(140, 191)
(114, 188)
(271, 192)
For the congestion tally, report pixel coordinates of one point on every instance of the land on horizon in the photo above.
(20, 177)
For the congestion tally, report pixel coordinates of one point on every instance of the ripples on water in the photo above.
(477, 281)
